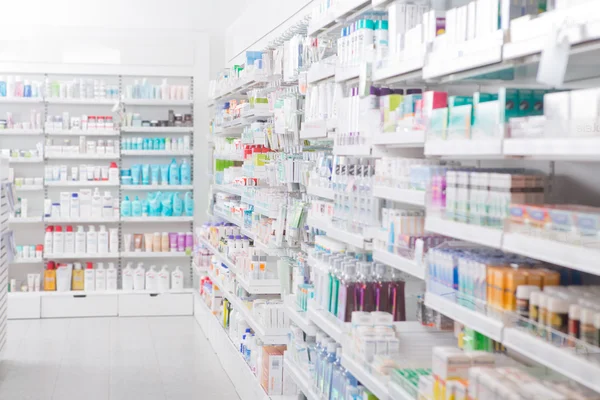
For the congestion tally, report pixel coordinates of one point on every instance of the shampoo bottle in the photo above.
(186, 173)
(92, 240)
(107, 205)
(113, 238)
(128, 277)
(50, 278)
(103, 240)
(174, 173)
(151, 279)
(58, 241)
(189, 204)
(136, 207)
(90, 278)
(77, 279)
(177, 279)
(80, 241)
(111, 277)
(100, 277)
(164, 279)
(48, 239)
(126, 207)
(177, 205)
(69, 240)
(139, 277)
(96, 204)
(63, 278)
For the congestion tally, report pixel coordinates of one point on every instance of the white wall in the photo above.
(260, 22)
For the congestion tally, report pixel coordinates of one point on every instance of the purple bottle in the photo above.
(396, 297)
(346, 297)
(180, 241)
(189, 242)
(381, 288)
(363, 289)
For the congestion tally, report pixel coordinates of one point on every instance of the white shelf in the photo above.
(480, 322)
(21, 132)
(29, 188)
(100, 102)
(568, 255)
(301, 378)
(82, 156)
(470, 233)
(231, 157)
(464, 148)
(80, 132)
(157, 153)
(339, 234)
(318, 129)
(319, 71)
(157, 187)
(27, 261)
(572, 148)
(336, 14)
(25, 160)
(375, 384)
(81, 184)
(157, 129)
(400, 263)
(81, 220)
(352, 150)
(231, 189)
(322, 192)
(406, 196)
(157, 102)
(401, 69)
(17, 100)
(157, 219)
(224, 259)
(300, 318)
(70, 293)
(398, 393)
(259, 286)
(411, 138)
(25, 220)
(562, 360)
(155, 254)
(75, 256)
(228, 218)
(327, 322)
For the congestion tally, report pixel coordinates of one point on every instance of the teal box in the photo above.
(509, 101)
(525, 103)
(459, 122)
(538, 102)
(438, 123)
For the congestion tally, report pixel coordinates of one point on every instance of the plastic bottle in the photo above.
(139, 277)
(102, 240)
(69, 240)
(111, 277)
(174, 173)
(107, 205)
(80, 240)
(397, 298)
(136, 207)
(96, 204)
(346, 299)
(164, 280)
(322, 360)
(151, 279)
(100, 277)
(48, 239)
(189, 204)
(77, 277)
(332, 357)
(90, 278)
(177, 205)
(177, 279)
(74, 211)
(113, 173)
(113, 240)
(50, 278)
(126, 207)
(186, 172)
(167, 206)
(92, 240)
(58, 241)
(128, 277)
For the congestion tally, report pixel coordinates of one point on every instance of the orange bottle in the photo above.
(50, 277)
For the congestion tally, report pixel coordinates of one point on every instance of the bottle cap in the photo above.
(574, 312)
(89, 265)
(69, 228)
(49, 229)
(524, 291)
(58, 229)
(50, 265)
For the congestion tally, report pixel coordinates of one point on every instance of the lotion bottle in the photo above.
(77, 279)
(113, 237)
(69, 240)
(107, 205)
(103, 240)
(96, 204)
(50, 278)
(177, 279)
(100, 278)
(58, 241)
(111, 277)
(80, 240)
(128, 277)
(92, 240)
(164, 279)
(151, 283)
(139, 277)
(48, 240)
(90, 278)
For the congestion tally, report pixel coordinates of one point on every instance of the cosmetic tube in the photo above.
(37, 282)
(148, 242)
(30, 282)
(173, 241)
(137, 242)
(181, 241)
(127, 241)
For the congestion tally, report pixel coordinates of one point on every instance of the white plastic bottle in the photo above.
(58, 241)
(177, 279)
(89, 282)
(111, 277)
(75, 206)
(102, 240)
(92, 240)
(128, 277)
(151, 279)
(85, 202)
(96, 204)
(164, 279)
(69, 240)
(107, 205)
(48, 239)
(100, 277)
(113, 240)
(80, 240)
(139, 277)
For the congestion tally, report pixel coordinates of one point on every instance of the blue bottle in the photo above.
(136, 207)
(317, 352)
(332, 350)
(189, 204)
(126, 207)
(177, 205)
(186, 172)
(2, 86)
(337, 378)
(167, 206)
(145, 208)
(322, 359)
(174, 173)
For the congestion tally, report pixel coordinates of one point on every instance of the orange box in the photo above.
(513, 278)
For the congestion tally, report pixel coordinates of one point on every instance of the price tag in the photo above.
(554, 60)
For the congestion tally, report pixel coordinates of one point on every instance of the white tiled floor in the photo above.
(111, 358)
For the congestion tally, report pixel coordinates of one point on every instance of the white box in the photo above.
(156, 304)
(471, 20)
(584, 104)
(79, 305)
(451, 21)
(461, 24)
(24, 306)
(396, 24)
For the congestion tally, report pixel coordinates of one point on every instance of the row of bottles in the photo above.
(151, 279)
(159, 204)
(58, 242)
(345, 282)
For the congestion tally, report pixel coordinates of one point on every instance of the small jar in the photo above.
(558, 318)
(588, 330)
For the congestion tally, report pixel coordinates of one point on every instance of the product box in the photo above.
(460, 110)
(272, 375)
(396, 25)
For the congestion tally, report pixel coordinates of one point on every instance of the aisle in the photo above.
(111, 358)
